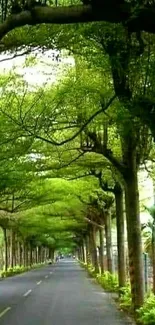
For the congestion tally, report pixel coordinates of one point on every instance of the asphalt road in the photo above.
(56, 295)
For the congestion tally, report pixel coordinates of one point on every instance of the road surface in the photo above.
(62, 294)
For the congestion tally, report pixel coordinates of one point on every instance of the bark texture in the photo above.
(108, 241)
(142, 18)
(134, 234)
(120, 235)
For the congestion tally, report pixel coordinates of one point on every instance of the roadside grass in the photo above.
(109, 282)
(11, 271)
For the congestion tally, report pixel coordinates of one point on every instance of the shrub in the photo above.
(91, 270)
(146, 314)
(125, 298)
(83, 264)
(108, 281)
(19, 269)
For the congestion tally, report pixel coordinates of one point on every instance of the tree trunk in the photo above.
(108, 241)
(5, 250)
(16, 251)
(89, 245)
(39, 254)
(46, 254)
(87, 250)
(12, 248)
(134, 234)
(120, 235)
(80, 253)
(101, 234)
(83, 251)
(94, 249)
(42, 254)
(25, 253)
(9, 247)
(36, 255)
(51, 254)
(31, 255)
(20, 253)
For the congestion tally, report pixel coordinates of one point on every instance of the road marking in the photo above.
(46, 276)
(4, 311)
(39, 282)
(27, 293)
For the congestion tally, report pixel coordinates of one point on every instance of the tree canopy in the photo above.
(136, 16)
(71, 151)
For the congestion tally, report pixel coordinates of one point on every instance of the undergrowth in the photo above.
(109, 282)
(19, 269)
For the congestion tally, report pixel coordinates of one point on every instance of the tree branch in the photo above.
(93, 223)
(83, 127)
(107, 153)
(103, 185)
(16, 55)
(48, 15)
(142, 18)
(80, 176)
(70, 162)
(74, 136)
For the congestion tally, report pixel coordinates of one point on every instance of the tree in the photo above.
(131, 155)
(100, 134)
(116, 188)
(94, 138)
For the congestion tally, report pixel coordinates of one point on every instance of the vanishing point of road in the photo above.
(61, 294)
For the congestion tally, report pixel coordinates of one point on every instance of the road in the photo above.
(62, 294)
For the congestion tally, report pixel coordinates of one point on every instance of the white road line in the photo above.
(39, 282)
(4, 311)
(27, 293)
(46, 276)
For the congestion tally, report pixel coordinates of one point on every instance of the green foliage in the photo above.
(108, 281)
(91, 271)
(84, 265)
(149, 231)
(125, 299)
(146, 314)
(40, 194)
(19, 269)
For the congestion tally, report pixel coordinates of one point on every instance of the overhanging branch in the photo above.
(74, 136)
(107, 153)
(142, 18)
(47, 15)
(93, 223)
(79, 176)
(83, 127)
